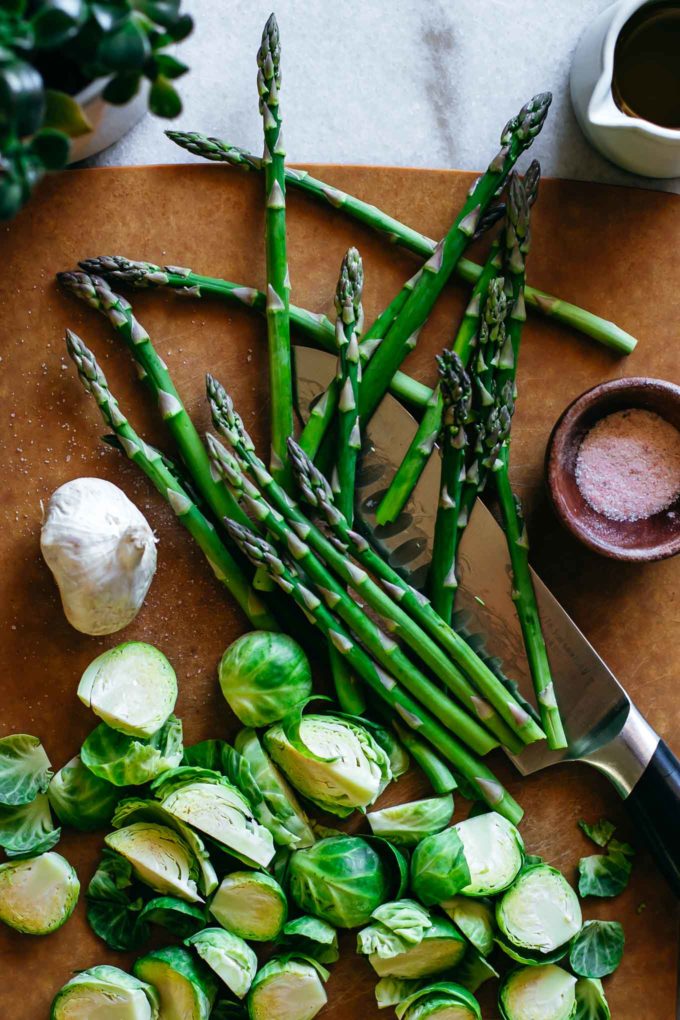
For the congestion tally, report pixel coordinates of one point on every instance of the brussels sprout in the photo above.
(132, 688)
(132, 761)
(27, 830)
(105, 993)
(591, 1003)
(334, 762)
(406, 918)
(38, 895)
(540, 911)
(341, 880)
(538, 993)
(443, 1001)
(310, 936)
(227, 1009)
(180, 918)
(597, 949)
(440, 948)
(476, 920)
(210, 803)
(114, 904)
(186, 988)
(407, 824)
(160, 858)
(494, 852)
(393, 748)
(606, 874)
(250, 904)
(391, 991)
(530, 957)
(473, 970)
(293, 825)
(439, 869)
(135, 809)
(288, 988)
(229, 956)
(80, 799)
(25, 769)
(263, 675)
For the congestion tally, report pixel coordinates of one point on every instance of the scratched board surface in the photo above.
(607, 248)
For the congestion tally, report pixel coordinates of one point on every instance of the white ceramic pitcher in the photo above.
(632, 143)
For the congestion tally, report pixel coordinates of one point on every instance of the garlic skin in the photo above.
(102, 553)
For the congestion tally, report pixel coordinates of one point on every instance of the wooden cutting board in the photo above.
(613, 250)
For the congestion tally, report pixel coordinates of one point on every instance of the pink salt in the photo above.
(628, 465)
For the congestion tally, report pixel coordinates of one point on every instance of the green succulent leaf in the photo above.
(123, 87)
(597, 949)
(125, 49)
(183, 26)
(170, 67)
(22, 101)
(57, 21)
(52, 148)
(64, 114)
(164, 98)
(25, 769)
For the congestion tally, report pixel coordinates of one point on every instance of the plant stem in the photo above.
(348, 692)
(438, 774)
(347, 329)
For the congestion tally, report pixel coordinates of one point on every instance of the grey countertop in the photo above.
(424, 83)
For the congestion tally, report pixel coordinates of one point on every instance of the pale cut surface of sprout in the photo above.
(494, 852)
(251, 904)
(102, 553)
(105, 993)
(540, 911)
(287, 990)
(38, 895)
(538, 993)
(160, 858)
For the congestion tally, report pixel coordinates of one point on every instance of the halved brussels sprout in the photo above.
(443, 1001)
(25, 769)
(277, 793)
(407, 824)
(132, 761)
(229, 956)
(105, 993)
(334, 762)
(476, 920)
(186, 988)
(494, 851)
(439, 867)
(540, 911)
(287, 988)
(591, 1003)
(310, 936)
(440, 948)
(38, 895)
(160, 858)
(250, 904)
(262, 675)
(132, 688)
(80, 799)
(538, 993)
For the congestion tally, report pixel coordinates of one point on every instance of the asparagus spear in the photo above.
(348, 691)
(348, 327)
(439, 775)
(288, 578)
(317, 493)
(316, 328)
(457, 397)
(605, 332)
(382, 648)
(278, 279)
(154, 466)
(497, 703)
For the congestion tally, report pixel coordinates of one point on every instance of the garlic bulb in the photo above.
(101, 551)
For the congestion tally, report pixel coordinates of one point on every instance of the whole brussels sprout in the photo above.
(263, 675)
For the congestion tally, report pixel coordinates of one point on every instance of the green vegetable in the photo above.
(131, 761)
(391, 991)
(601, 832)
(439, 948)
(38, 895)
(494, 851)
(397, 925)
(530, 957)
(132, 688)
(538, 993)
(229, 956)
(476, 920)
(406, 824)
(105, 993)
(540, 911)
(251, 904)
(474, 970)
(597, 949)
(160, 858)
(226, 1009)
(186, 987)
(80, 799)
(310, 936)
(333, 761)
(590, 1001)
(180, 918)
(210, 803)
(263, 675)
(348, 327)
(25, 769)
(605, 875)
(395, 748)
(442, 1001)
(114, 904)
(287, 988)
(27, 829)
(439, 869)
(341, 879)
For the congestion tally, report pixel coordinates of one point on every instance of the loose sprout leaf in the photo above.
(591, 1003)
(206, 755)
(604, 874)
(405, 918)
(24, 769)
(27, 829)
(114, 904)
(476, 920)
(132, 761)
(80, 799)
(406, 824)
(614, 846)
(180, 918)
(390, 991)
(312, 937)
(473, 971)
(600, 833)
(597, 949)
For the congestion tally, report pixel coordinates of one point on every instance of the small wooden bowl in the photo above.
(653, 538)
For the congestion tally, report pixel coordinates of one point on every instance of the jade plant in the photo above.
(50, 50)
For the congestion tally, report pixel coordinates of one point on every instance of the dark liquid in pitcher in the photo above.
(646, 81)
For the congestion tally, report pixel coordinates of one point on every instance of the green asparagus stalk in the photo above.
(316, 328)
(278, 279)
(382, 648)
(288, 578)
(456, 390)
(348, 691)
(316, 491)
(348, 327)
(605, 332)
(152, 463)
(438, 774)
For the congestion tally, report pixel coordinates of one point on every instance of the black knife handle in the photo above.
(654, 803)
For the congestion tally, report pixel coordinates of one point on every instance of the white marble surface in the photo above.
(426, 83)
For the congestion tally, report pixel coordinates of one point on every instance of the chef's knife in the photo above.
(603, 726)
